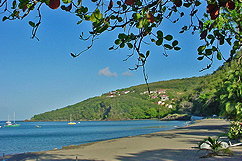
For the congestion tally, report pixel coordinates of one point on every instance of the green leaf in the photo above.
(103, 28)
(130, 45)
(168, 37)
(66, 1)
(79, 2)
(197, 3)
(229, 41)
(79, 22)
(117, 41)
(160, 34)
(124, 7)
(201, 48)
(177, 48)
(219, 56)
(200, 58)
(214, 48)
(140, 24)
(111, 48)
(14, 4)
(120, 19)
(96, 16)
(4, 18)
(210, 36)
(212, 141)
(208, 52)
(119, 3)
(122, 36)
(221, 41)
(168, 46)
(152, 40)
(174, 43)
(31, 23)
(136, 16)
(93, 18)
(122, 45)
(147, 53)
(63, 7)
(113, 17)
(236, 45)
(187, 5)
(159, 42)
(87, 17)
(142, 55)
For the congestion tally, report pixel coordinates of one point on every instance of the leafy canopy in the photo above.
(141, 20)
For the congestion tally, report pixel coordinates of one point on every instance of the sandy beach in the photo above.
(180, 144)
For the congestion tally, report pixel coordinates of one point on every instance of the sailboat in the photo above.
(9, 123)
(71, 123)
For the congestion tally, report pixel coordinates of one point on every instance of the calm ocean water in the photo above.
(28, 138)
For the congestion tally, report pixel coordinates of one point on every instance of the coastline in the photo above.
(177, 144)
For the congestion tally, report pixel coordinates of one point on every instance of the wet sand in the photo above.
(180, 144)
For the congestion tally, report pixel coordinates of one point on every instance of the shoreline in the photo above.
(177, 144)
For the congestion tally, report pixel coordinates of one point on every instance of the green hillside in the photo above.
(219, 93)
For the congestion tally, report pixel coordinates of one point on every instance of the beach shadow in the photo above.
(192, 134)
(45, 157)
(208, 127)
(173, 155)
(17, 157)
(205, 130)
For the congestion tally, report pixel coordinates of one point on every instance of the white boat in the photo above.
(71, 123)
(9, 123)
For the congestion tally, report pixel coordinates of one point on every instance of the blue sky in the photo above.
(39, 76)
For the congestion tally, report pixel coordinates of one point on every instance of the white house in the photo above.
(164, 97)
(161, 91)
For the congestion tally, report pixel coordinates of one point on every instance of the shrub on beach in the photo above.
(235, 130)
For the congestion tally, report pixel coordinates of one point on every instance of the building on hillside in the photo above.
(153, 97)
(164, 98)
(145, 92)
(113, 92)
(126, 92)
(160, 103)
(161, 91)
(111, 95)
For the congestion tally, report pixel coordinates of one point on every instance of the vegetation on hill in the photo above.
(219, 93)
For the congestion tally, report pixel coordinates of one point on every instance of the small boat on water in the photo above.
(38, 126)
(71, 123)
(10, 124)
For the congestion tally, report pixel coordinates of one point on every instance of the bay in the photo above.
(28, 138)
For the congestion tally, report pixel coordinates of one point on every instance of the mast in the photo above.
(14, 117)
(8, 120)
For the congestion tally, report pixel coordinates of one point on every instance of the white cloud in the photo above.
(128, 73)
(106, 72)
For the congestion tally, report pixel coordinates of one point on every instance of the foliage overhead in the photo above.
(140, 21)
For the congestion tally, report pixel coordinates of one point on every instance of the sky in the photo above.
(40, 76)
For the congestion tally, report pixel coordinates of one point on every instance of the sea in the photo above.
(42, 136)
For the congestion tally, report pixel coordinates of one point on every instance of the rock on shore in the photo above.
(178, 117)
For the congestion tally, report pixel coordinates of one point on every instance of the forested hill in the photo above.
(205, 95)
